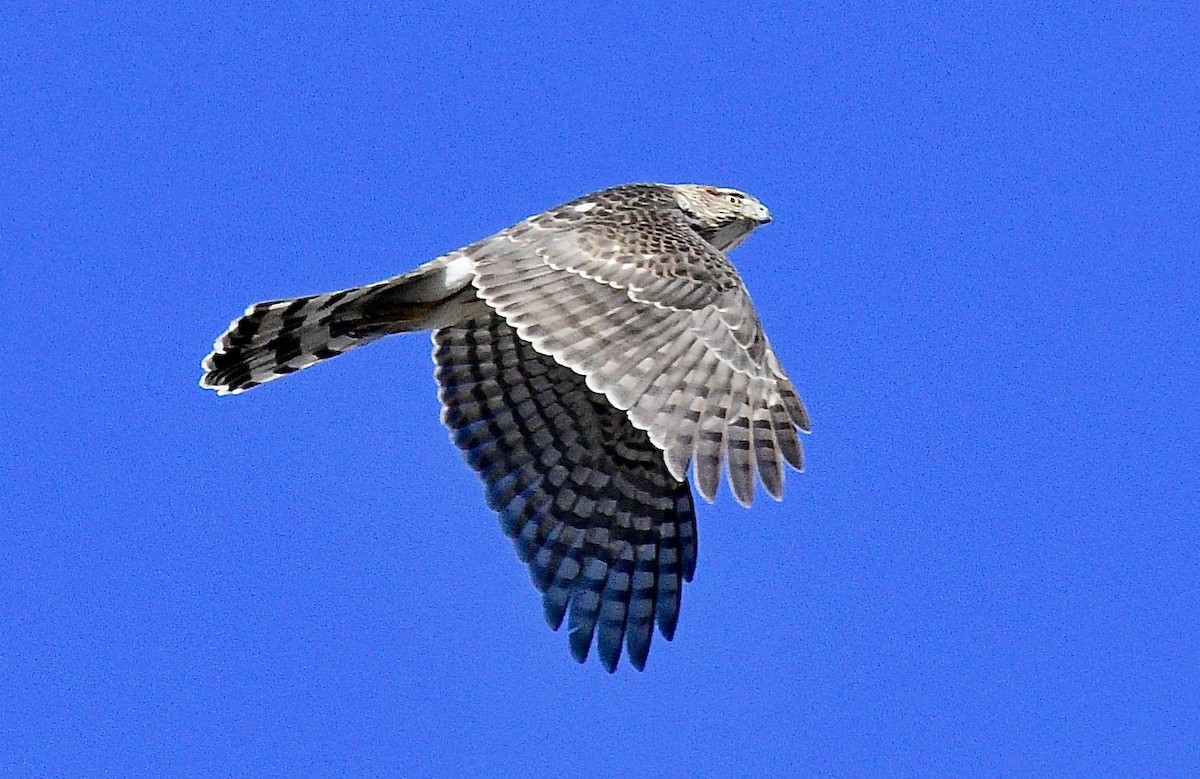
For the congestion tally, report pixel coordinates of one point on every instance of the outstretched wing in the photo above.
(658, 321)
(607, 531)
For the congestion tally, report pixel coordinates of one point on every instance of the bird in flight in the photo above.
(585, 358)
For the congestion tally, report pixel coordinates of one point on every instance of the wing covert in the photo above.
(678, 347)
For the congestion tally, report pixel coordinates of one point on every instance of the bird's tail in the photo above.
(278, 337)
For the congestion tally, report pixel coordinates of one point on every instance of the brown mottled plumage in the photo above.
(585, 357)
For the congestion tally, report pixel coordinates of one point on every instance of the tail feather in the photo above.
(278, 337)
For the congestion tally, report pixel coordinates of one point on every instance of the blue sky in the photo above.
(982, 276)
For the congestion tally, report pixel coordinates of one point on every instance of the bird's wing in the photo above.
(587, 499)
(667, 333)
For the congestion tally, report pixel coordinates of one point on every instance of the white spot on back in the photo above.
(583, 208)
(457, 273)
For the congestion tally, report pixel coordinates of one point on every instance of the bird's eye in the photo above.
(735, 199)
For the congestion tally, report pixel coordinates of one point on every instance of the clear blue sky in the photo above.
(982, 276)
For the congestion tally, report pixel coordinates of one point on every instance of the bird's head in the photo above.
(724, 217)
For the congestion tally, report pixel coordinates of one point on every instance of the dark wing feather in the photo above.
(608, 533)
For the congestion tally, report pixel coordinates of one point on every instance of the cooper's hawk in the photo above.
(585, 357)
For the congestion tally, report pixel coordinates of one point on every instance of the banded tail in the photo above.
(278, 337)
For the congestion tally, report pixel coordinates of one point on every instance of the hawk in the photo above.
(585, 357)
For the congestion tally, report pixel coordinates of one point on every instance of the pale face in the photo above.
(723, 216)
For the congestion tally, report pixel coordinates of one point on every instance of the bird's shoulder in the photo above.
(639, 225)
